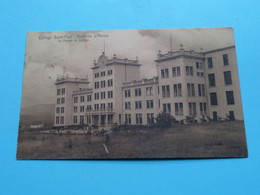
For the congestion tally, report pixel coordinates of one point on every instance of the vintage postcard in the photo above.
(131, 94)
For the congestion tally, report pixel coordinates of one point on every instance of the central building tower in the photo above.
(108, 76)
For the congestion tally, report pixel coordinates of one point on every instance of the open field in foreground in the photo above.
(214, 139)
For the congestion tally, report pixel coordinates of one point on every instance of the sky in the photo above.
(47, 53)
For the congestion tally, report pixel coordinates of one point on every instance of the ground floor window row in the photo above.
(59, 120)
(94, 119)
(229, 116)
(192, 106)
(139, 119)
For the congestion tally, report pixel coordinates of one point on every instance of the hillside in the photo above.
(43, 113)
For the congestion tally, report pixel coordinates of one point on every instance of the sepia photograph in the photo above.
(131, 94)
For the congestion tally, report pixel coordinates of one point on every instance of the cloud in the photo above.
(46, 58)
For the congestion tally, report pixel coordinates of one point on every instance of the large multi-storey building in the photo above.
(188, 83)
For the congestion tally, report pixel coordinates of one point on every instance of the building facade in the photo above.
(202, 85)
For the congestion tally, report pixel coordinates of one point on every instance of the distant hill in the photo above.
(41, 113)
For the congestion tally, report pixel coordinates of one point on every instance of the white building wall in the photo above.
(143, 98)
(68, 105)
(128, 72)
(218, 69)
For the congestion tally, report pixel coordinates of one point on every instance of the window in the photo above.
(110, 72)
(81, 108)
(127, 105)
(82, 98)
(96, 75)
(191, 89)
(58, 110)
(75, 119)
(228, 78)
(96, 85)
(178, 108)
(167, 108)
(110, 82)
(230, 98)
(212, 82)
(192, 109)
(75, 109)
(103, 95)
(110, 119)
(149, 90)
(176, 71)
(88, 107)
(58, 100)
(127, 93)
(110, 94)
(200, 74)
(81, 120)
(164, 73)
(150, 118)
(231, 115)
(138, 104)
(96, 96)
(139, 120)
(57, 120)
(103, 106)
(62, 100)
(75, 100)
(177, 90)
(62, 110)
(138, 92)
(88, 119)
(62, 120)
(203, 108)
(201, 89)
(128, 119)
(110, 106)
(103, 73)
(225, 60)
(89, 98)
(149, 103)
(210, 62)
(213, 99)
(63, 91)
(58, 91)
(96, 106)
(103, 84)
(215, 116)
(199, 65)
(189, 70)
(166, 91)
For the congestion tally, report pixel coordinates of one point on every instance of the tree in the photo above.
(165, 120)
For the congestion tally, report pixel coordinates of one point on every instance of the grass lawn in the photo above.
(207, 140)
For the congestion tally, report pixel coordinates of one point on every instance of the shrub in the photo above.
(190, 119)
(165, 120)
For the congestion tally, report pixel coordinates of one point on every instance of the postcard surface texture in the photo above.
(131, 94)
